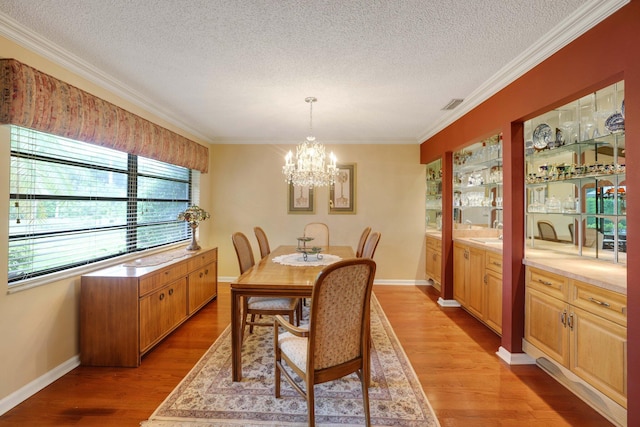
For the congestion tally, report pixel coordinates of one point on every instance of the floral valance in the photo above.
(35, 100)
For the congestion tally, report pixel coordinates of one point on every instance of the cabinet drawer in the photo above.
(551, 284)
(162, 277)
(493, 261)
(202, 259)
(604, 303)
(434, 244)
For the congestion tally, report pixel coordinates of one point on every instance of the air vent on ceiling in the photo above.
(453, 104)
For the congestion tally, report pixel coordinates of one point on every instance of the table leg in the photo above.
(236, 336)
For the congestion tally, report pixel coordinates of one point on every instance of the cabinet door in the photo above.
(202, 286)
(599, 353)
(433, 259)
(476, 282)
(161, 311)
(545, 325)
(430, 260)
(460, 272)
(437, 265)
(493, 308)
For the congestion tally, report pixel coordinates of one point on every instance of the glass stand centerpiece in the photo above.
(306, 251)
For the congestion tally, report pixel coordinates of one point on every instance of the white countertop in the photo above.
(601, 273)
(604, 274)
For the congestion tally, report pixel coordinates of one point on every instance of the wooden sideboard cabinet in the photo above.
(127, 309)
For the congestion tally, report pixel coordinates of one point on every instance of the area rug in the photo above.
(208, 397)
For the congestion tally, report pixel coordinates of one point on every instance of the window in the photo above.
(74, 203)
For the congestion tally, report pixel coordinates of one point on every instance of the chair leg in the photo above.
(365, 398)
(253, 319)
(277, 364)
(311, 406)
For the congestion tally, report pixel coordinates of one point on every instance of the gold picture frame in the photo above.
(301, 200)
(342, 194)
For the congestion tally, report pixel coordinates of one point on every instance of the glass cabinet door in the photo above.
(576, 183)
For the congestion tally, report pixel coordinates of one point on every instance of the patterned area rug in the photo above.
(208, 397)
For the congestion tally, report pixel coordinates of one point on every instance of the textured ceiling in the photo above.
(239, 71)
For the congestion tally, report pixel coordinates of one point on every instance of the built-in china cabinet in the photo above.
(576, 244)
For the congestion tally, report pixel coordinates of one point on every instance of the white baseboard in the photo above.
(515, 358)
(19, 396)
(448, 302)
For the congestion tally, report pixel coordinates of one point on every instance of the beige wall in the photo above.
(39, 326)
(248, 189)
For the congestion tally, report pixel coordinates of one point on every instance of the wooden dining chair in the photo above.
(546, 231)
(259, 306)
(363, 240)
(371, 244)
(263, 242)
(329, 350)
(319, 231)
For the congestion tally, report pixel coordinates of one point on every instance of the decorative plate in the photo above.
(615, 122)
(542, 136)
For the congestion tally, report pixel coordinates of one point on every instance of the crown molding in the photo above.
(13, 30)
(582, 20)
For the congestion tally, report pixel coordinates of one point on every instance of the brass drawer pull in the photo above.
(496, 263)
(602, 303)
(545, 282)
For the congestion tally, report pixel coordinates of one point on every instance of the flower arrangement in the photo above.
(193, 215)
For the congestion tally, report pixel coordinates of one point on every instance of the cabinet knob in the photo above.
(206, 271)
(170, 291)
(563, 318)
(201, 274)
(161, 296)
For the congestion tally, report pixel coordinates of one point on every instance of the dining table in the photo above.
(269, 278)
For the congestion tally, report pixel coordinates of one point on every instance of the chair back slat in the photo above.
(263, 242)
(371, 244)
(363, 240)
(243, 251)
(319, 231)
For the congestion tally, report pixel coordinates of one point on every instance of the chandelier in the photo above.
(309, 168)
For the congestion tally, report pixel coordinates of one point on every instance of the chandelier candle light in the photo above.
(309, 168)
(193, 215)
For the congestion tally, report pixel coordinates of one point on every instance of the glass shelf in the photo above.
(477, 184)
(433, 196)
(578, 187)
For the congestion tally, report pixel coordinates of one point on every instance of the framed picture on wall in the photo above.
(342, 194)
(300, 200)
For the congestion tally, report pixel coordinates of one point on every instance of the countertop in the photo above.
(599, 273)
(604, 274)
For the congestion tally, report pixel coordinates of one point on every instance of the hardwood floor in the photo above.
(452, 353)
